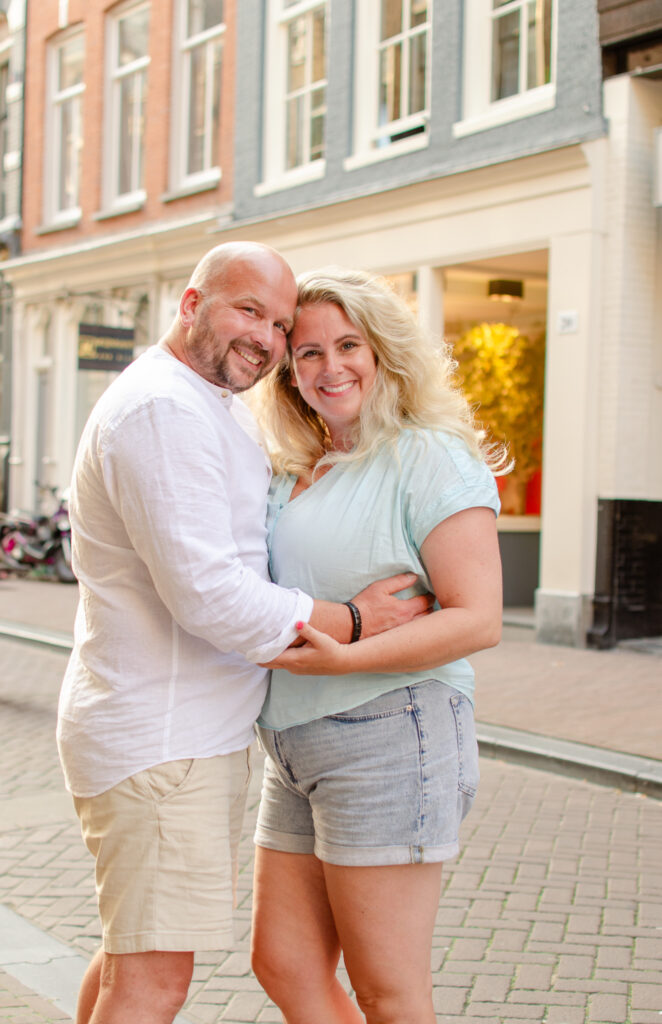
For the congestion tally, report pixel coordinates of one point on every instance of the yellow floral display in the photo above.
(502, 373)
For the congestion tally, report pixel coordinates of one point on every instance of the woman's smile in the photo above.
(337, 389)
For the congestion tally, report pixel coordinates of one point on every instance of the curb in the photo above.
(36, 635)
(595, 764)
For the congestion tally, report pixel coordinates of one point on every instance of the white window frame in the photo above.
(275, 174)
(4, 133)
(480, 112)
(56, 99)
(116, 201)
(210, 174)
(367, 132)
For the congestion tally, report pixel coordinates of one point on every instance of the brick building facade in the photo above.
(470, 151)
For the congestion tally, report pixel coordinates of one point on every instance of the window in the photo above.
(392, 77)
(518, 78)
(520, 46)
(305, 92)
(197, 83)
(296, 97)
(128, 63)
(4, 136)
(64, 129)
(402, 54)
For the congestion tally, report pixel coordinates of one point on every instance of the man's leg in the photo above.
(117, 985)
(143, 988)
(89, 989)
(165, 843)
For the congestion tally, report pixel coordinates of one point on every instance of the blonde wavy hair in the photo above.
(414, 388)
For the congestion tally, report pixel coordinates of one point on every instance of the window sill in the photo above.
(131, 204)
(507, 523)
(373, 156)
(193, 185)
(290, 179)
(12, 222)
(511, 109)
(60, 224)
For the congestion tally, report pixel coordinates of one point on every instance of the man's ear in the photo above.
(188, 305)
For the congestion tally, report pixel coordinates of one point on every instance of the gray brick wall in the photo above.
(576, 117)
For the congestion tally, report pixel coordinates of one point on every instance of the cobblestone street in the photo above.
(552, 912)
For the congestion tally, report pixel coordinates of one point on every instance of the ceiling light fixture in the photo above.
(505, 291)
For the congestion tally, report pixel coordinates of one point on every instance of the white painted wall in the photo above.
(631, 326)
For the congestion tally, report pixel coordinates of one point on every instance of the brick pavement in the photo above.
(552, 913)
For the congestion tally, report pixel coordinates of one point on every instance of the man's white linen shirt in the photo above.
(168, 507)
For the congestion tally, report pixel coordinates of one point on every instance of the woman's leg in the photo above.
(384, 917)
(295, 947)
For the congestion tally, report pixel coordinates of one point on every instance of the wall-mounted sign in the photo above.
(104, 348)
(568, 321)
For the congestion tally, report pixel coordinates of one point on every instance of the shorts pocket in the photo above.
(164, 780)
(386, 705)
(467, 745)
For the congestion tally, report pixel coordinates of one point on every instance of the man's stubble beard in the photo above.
(218, 371)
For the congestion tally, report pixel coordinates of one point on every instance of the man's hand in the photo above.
(381, 610)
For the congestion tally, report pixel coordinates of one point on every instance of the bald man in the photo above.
(176, 615)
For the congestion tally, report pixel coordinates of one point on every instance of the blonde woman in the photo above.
(371, 751)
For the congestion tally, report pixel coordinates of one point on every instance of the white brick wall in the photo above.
(630, 401)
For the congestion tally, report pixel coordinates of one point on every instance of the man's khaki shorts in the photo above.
(165, 842)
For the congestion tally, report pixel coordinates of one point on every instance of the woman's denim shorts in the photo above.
(387, 782)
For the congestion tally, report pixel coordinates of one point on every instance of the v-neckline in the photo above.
(314, 483)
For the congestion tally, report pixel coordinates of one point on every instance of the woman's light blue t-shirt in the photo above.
(357, 524)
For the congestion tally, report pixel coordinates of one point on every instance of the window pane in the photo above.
(389, 84)
(319, 46)
(296, 54)
(204, 106)
(70, 154)
(294, 129)
(131, 133)
(417, 56)
(203, 14)
(505, 56)
(317, 119)
(4, 136)
(126, 138)
(217, 64)
(305, 98)
(133, 37)
(538, 62)
(196, 134)
(391, 18)
(70, 63)
(419, 12)
(63, 198)
(4, 82)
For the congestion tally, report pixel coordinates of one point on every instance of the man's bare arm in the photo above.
(379, 606)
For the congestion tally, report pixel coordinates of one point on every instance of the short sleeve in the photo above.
(440, 477)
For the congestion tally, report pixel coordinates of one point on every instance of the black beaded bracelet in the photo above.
(356, 620)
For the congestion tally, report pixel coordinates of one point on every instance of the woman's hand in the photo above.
(320, 655)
